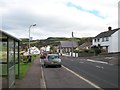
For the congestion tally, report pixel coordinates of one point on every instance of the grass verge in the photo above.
(25, 66)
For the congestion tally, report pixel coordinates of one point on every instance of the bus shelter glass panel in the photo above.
(16, 58)
(3, 60)
(0, 61)
(3, 54)
(11, 63)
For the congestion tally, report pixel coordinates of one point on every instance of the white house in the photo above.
(108, 40)
(34, 50)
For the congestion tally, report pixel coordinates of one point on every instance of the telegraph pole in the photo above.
(72, 44)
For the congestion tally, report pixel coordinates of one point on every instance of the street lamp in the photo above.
(29, 41)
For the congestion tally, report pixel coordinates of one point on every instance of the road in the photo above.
(93, 74)
(61, 78)
(104, 75)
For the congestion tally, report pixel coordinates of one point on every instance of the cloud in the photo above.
(58, 17)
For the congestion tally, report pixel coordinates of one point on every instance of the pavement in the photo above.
(32, 78)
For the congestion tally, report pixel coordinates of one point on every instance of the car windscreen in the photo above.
(53, 57)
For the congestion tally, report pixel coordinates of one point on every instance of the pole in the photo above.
(29, 44)
(72, 45)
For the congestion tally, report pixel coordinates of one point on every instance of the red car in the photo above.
(43, 55)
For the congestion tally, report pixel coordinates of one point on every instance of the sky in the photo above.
(57, 18)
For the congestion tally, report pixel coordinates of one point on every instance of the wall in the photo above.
(119, 40)
(114, 43)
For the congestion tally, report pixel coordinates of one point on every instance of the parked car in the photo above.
(43, 55)
(52, 60)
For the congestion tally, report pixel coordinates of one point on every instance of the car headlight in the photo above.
(59, 60)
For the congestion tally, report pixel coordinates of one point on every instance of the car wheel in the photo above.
(45, 66)
(60, 66)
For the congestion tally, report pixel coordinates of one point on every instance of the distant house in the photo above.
(66, 46)
(108, 40)
(85, 45)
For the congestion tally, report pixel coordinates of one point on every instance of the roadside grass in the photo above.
(25, 66)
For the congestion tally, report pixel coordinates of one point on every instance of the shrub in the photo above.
(86, 50)
(97, 51)
(77, 51)
(91, 51)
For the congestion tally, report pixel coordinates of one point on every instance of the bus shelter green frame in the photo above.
(15, 40)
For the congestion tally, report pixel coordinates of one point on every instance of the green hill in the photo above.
(54, 41)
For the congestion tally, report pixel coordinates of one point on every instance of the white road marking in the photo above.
(81, 62)
(42, 80)
(94, 85)
(65, 55)
(100, 67)
(97, 61)
(109, 57)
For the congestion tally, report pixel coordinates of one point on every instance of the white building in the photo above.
(108, 40)
(34, 50)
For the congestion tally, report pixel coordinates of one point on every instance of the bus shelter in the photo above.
(9, 59)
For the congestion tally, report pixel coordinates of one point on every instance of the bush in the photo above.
(77, 51)
(89, 51)
(86, 50)
(97, 51)
(24, 58)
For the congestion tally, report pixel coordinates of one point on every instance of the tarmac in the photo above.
(32, 78)
(113, 59)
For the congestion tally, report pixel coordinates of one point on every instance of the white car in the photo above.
(52, 60)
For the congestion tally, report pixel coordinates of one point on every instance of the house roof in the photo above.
(68, 44)
(106, 33)
(86, 44)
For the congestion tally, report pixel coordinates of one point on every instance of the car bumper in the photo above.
(52, 63)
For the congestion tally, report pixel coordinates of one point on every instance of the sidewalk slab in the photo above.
(32, 77)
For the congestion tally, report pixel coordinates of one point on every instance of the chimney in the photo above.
(109, 28)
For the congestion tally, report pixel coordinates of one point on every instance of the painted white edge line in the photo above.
(94, 85)
(42, 80)
(100, 67)
(97, 61)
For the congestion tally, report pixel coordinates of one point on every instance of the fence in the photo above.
(83, 54)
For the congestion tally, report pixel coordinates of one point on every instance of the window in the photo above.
(102, 39)
(98, 39)
(107, 39)
(95, 40)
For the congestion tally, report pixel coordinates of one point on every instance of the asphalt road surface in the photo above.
(61, 78)
(103, 75)
(81, 73)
